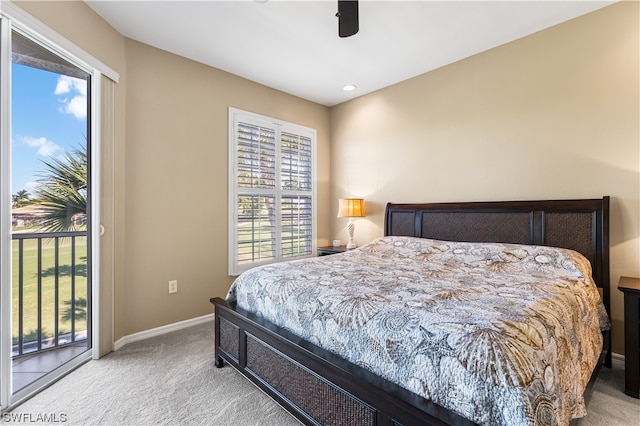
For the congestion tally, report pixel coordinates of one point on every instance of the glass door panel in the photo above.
(50, 245)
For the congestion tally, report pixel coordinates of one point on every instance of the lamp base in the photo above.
(351, 244)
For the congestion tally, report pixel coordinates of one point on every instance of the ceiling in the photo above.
(293, 46)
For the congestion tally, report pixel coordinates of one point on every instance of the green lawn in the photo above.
(30, 287)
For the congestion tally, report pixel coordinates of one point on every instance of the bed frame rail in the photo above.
(313, 384)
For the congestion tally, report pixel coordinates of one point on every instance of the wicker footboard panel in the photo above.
(306, 390)
(312, 384)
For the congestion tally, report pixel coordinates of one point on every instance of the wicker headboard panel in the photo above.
(580, 225)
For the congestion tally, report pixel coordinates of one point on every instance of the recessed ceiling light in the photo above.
(349, 87)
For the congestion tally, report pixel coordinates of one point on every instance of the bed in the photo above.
(438, 373)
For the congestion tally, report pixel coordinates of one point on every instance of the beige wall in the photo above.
(177, 186)
(167, 183)
(552, 116)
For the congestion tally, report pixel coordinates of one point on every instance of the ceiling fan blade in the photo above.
(347, 17)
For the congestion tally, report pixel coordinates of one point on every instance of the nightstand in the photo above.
(327, 250)
(631, 289)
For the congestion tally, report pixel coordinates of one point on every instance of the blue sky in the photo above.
(49, 118)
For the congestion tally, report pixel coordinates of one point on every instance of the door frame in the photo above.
(14, 18)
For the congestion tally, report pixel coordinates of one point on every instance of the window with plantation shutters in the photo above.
(271, 190)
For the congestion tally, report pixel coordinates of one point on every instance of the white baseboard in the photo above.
(118, 344)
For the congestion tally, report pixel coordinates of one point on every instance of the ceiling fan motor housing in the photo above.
(347, 17)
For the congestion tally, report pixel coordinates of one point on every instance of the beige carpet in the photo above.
(171, 380)
(165, 380)
(609, 406)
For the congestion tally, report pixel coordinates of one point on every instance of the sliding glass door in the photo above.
(50, 255)
(46, 215)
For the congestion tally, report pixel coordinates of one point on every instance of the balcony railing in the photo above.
(50, 292)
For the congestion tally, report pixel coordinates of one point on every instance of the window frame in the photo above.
(279, 126)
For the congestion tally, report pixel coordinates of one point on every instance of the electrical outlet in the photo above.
(173, 286)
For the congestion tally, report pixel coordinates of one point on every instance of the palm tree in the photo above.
(20, 198)
(62, 192)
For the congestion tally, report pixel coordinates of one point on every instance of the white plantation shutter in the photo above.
(256, 234)
(256, 155)
(271, 191)
(296, 205)
(255, 202)
(295, 160)
(297, 224)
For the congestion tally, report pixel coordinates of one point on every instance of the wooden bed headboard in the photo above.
(580, 225)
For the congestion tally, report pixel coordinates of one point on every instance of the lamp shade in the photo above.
(351, 207)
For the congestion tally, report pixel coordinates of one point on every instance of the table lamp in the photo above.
(351, 207)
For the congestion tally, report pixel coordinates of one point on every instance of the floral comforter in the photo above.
(499, 333)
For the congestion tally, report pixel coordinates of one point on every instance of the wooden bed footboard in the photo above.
(313, 384)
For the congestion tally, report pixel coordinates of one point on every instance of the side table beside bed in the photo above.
(631, 288)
